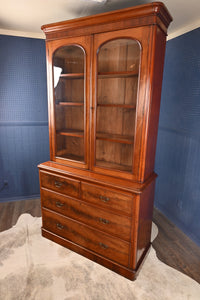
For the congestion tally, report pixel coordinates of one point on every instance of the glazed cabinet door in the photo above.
(118, 98)
(68, 71)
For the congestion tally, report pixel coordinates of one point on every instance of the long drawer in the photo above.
(117, 225)
(108, 246)
(60, 184)
(106, 198)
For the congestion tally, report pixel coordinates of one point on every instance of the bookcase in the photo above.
(104, 87)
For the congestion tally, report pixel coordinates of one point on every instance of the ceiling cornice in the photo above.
(184, 30)
(34, 35)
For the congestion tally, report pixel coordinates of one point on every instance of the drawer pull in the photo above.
(59, 204)
(104, 198)
(58, 184)
(59, 226)
(104, 221)
(103, 246)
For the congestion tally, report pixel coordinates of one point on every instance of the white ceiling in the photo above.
(25, 17)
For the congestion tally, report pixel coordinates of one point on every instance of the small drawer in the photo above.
(106, 198)
(105, 245)
(114, 224)
(60, 184)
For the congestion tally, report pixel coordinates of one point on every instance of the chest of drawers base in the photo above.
(111, 225)
(115, 267)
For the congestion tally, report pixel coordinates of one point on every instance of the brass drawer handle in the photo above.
(104, 221)
(58, 184)
(59, 204)
(103, 246)
(59, 226)
(104, 198)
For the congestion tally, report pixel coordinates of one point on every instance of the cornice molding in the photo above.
(34, 35)
(147, 14)
(183, 30)
(37, 35)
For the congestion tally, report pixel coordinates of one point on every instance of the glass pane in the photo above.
(117, 84)
(69, 77)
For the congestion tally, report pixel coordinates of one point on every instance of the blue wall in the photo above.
(178, 146)
(24, 128)
(23, 116)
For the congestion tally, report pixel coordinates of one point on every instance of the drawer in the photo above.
(106, 198)
(60, 184)
(105, 245)
(111, 223)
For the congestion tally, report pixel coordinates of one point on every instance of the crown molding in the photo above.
(184, 30)
(141, 15)
(34, 35)
(41, 35)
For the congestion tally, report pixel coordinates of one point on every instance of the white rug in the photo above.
(34, 268)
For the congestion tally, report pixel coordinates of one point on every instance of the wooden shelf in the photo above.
(72, 76)
(71, 132)
(123, 74)
(64, 154)
(116, 105)
(110, 165)
(117, 138)
(62, 103)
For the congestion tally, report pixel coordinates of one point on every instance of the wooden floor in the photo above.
(172, 246)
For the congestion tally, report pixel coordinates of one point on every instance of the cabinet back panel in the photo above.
(74, 90)
(69, 90)
(117, 90)
(73, 147)
(119, 55)
(114, 153)
(70, 59)
(111, 90)
(74, 117)
(116, 120)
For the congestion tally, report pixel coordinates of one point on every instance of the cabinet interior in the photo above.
(117, 83)
(69, 94)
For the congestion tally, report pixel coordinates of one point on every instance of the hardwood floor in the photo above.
(172, 246)
(10, 211)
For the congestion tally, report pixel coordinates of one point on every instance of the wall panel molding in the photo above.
(23, 123)
(8, 199)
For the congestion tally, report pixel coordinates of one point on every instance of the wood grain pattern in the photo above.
(87, 237)
(157, 74)
(112, 223)
(172, 246)
(175, 249)
(11, 211)
(107, 198)
(94, 256)
(60, 184)
(92, 177)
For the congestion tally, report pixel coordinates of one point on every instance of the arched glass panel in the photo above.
(117, 83)
(69, 77)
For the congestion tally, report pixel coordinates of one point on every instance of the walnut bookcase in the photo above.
(104, 87)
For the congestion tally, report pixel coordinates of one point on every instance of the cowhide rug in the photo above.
(34, 268)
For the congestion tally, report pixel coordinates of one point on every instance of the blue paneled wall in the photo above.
(24, 128)
(178, 147)
(23, 116)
